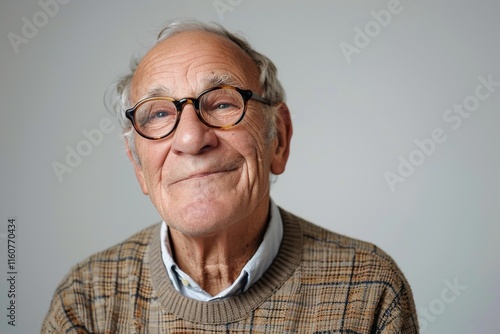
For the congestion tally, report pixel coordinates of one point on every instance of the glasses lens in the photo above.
(222, 107)
(156, 118)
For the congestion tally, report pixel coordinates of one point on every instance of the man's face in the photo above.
(205, 180)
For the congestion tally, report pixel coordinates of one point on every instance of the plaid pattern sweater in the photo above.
(320, 282)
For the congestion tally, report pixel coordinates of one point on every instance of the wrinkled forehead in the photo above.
(189, 62)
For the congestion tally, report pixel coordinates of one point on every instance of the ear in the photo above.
(284, 132)
(139, 174)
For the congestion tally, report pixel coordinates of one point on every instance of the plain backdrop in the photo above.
(358, 115)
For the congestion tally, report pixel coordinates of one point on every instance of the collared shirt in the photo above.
(251, 272)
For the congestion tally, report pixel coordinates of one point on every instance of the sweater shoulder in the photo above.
(111, 266)
(102, 282)
(323, 237)
(372, 285)
(131, 249)
(325, 245)
(326, 238)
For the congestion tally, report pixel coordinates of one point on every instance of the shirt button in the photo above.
(185, 282)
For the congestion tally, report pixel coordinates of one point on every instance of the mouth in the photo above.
(207, 174)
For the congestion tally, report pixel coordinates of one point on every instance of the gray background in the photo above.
(352, 122)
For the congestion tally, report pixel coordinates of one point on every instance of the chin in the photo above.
(202, 219)
(203, 229)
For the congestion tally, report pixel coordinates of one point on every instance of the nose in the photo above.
(192, 136)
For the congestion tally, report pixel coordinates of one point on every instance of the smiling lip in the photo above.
(203, 174)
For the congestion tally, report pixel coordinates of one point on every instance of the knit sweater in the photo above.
(320, 282)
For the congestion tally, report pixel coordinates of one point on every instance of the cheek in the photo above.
(255, 147)
(152, 156)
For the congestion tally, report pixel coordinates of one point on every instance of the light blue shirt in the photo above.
(251, 272)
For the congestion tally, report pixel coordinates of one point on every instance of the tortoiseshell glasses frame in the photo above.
(220, 107)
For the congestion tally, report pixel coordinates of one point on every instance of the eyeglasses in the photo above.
(220, 107)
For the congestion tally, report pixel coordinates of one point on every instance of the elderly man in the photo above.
(205, 124)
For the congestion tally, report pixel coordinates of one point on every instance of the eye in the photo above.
(159, 114)
(221, 100)
(156, 113)
(224, 105)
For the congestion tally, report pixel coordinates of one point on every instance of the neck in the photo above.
(215, 261)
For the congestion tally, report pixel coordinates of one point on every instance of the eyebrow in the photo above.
(159, 92)
(218, 80)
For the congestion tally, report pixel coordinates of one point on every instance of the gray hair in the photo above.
(117, 97)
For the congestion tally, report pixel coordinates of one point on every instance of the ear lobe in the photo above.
(284, 130)
(137, 169)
